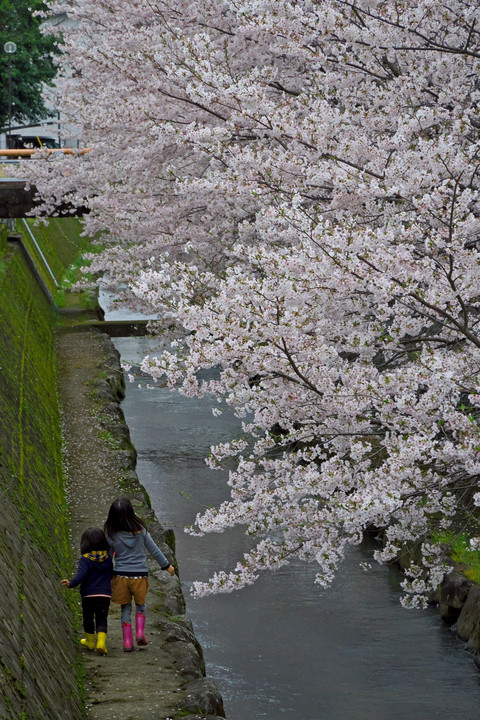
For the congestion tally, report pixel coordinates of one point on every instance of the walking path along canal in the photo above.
(163, 680)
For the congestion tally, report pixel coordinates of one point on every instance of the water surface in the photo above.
(284, 648)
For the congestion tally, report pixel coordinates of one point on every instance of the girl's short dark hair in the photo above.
(121, 516)
(93, 539)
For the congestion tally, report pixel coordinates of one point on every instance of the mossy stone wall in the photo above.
(38, 663)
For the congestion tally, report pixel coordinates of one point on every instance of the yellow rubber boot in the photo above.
(88, 641)
(101, 643)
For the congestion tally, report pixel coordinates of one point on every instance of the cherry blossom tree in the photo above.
(293, 188)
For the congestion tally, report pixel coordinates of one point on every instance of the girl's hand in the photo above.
(171, 570)
(66, 583)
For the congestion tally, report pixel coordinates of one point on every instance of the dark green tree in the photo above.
(32, 65)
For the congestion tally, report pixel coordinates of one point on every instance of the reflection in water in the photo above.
(285, 648)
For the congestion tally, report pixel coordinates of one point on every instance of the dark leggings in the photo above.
(95, 613)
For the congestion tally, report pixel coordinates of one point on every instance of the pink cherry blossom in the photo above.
(292, 188)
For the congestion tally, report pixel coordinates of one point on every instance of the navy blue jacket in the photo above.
(94, 574)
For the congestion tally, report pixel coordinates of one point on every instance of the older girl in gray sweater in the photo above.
(127, 535)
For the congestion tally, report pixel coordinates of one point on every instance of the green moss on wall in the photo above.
(35, 682)
(3, 237)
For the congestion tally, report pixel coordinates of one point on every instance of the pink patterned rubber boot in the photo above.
(140, 629)
(127, 637)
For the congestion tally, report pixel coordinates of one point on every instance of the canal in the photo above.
(284, 648)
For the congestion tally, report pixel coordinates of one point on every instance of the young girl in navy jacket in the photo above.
(94, 575)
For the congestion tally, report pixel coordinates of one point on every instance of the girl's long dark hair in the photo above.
(121, 516)
(93, 539)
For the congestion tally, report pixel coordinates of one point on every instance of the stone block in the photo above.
(453, 595)
(203, 697)
(468, 623)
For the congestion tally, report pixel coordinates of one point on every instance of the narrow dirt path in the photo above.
(154, 681)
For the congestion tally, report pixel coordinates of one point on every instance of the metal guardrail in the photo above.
(41, 253)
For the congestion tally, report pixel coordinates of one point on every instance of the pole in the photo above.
(10, 48)
(9, 138)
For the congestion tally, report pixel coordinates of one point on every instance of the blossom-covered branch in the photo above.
(293, 188)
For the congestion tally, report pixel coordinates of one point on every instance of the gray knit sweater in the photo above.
(131, 552)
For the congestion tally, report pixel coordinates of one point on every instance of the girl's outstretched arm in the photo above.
(157, 554)
(82, 572)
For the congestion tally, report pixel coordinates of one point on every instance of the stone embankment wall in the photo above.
(38, 663)
(458, 599)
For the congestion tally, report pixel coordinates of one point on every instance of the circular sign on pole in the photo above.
(10, 47)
